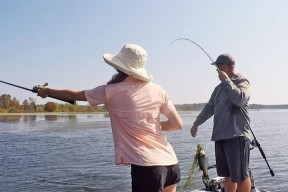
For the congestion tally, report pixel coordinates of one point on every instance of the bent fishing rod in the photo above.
(35, 90)
(241, 109)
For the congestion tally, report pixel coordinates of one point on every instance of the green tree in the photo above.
(5, 101)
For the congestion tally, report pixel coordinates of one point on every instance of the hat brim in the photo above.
(115, 61)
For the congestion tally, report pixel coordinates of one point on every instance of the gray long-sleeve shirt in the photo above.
(225, 103)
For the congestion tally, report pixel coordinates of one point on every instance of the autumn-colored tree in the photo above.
(29, 105)
(50, 107)
(9, 105)
(15, 103)
(25, 105)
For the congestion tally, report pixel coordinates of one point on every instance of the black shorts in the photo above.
(232, 158)
(154, 178)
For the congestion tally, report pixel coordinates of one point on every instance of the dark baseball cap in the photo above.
(224, 59)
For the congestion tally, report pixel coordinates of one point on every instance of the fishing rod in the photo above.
(195, 44)
(35, 90)
(241, 109)
(257, 143)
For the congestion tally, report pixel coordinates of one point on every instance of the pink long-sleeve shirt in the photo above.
(135, 109)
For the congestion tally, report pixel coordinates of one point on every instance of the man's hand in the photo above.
(222, 75)
(194, 130)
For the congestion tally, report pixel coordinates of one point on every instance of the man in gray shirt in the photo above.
(232, 136)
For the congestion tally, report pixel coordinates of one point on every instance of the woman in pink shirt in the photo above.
(135, 104)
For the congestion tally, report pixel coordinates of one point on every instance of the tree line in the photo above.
(9, 104)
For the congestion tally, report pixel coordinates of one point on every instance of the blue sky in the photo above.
(62, 42)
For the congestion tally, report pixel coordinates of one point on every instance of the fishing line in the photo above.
(185, 39)
(241, 109)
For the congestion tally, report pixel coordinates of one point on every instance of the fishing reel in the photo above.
(35, 88)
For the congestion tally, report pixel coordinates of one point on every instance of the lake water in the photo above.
(68, 152)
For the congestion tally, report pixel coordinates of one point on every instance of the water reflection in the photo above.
(72, 118)
(29, 118)
(10, 118)
(51, 117)
(56, 117)
(98, 115)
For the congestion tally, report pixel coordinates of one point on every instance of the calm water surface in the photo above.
(65, 153)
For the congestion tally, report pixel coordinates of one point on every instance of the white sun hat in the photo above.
(130, 60)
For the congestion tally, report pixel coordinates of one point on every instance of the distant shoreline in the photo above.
(75, 113)
(200, 106)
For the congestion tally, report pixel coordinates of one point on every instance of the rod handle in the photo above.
(272, 172)
(260, 149)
